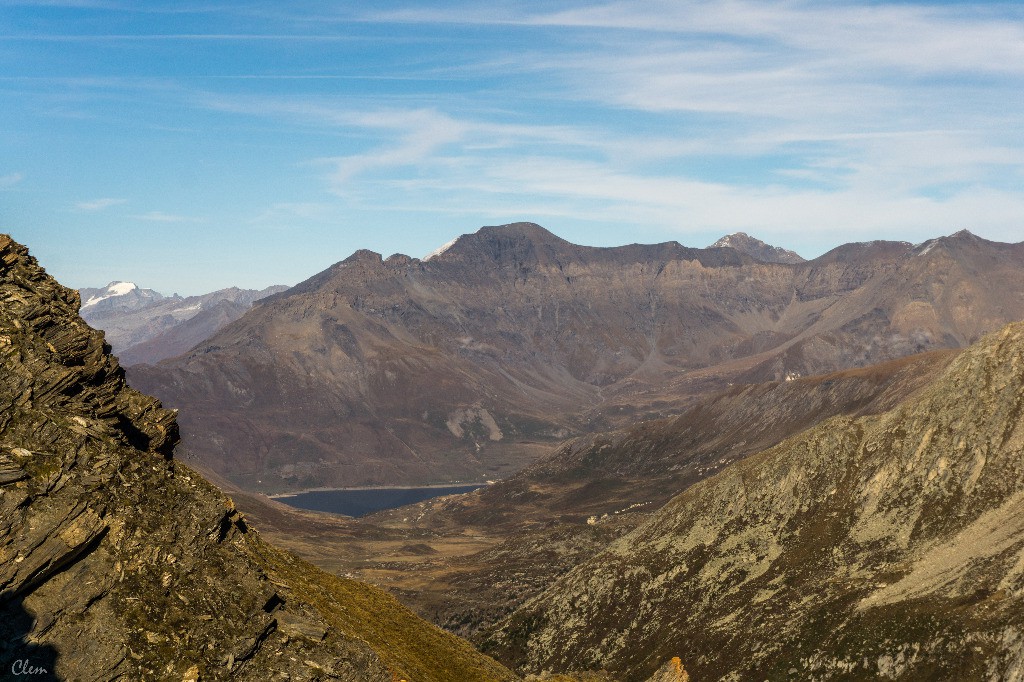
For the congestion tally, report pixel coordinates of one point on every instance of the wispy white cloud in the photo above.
(166, 37)
(408, 136)
(98, 204)
(424, 132)
(774, 117)
(869, 182)
(161, 217)
(10, 180)
(285, 212)
(592, 191)
(860, 116)
(936, 38)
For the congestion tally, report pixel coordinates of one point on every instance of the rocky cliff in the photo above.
(880, 547)
(471, 363)
(116, 562)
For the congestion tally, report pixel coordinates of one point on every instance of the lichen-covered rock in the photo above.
(884, 547)
(118, 563)
(672, 671)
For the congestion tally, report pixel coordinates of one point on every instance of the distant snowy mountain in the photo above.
(122, 296)
(142, 325)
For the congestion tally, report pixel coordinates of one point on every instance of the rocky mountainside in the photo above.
(116, 562)
(648, 463)
(757, 249)
(144, 326)
(881, 547)
(471, 363)
(466, 561)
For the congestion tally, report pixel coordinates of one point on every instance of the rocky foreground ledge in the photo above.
(116, 562)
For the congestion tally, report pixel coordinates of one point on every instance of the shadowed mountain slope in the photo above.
(886, 546)
(469, 364)
(118, 563)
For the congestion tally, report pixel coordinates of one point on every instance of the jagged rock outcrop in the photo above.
(118, 563)
(391, 371)
(881, 547)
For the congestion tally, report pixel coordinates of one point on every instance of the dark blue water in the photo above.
(368, 500)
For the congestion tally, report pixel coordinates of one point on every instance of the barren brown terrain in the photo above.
(471, 364)
(465, 561)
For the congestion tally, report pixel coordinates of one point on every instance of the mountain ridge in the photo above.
(394, 367)
(143, 325)
(560, 511)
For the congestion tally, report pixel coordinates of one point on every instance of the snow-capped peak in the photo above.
(438, 252)
(113, 289)
(121, 288)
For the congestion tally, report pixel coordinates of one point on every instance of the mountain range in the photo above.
(475, 361)
(534, 526)
(142, 325)
(855, 525)
(858, 523)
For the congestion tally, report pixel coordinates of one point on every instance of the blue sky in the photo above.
(191, 146)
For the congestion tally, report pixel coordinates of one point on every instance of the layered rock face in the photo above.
(469, 364)
(880, 547)
(118, 563)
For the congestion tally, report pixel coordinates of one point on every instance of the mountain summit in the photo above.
(118, 296)
(142, 325)
(512, 243)
(757, 249)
